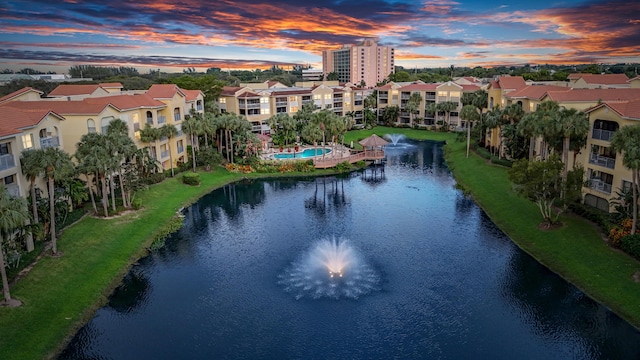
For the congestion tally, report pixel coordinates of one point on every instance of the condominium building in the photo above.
(365, 63)
(31, 122)
(258, 103)
(431, 94)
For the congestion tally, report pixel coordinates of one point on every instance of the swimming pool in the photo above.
(306, 153)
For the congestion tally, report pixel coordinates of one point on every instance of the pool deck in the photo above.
(338, 154)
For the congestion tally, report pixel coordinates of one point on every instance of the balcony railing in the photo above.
(602, 161)
(429, 96)
(602, 134)
(162, 120)
(281, 103)
(52, 141)
(7, 161)
(600, 185)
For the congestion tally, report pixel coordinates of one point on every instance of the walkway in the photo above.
(353, 157)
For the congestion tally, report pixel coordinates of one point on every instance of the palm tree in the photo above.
(57, 165)
(572, 123)
(469, 113)
(412, 105)
(192, 127)
(627, 141)
(31, 165)
(493, 120)
(14, 214)
(123, 148)
(311, 133)
(91, 153)
(529, 127)
(390, 114)
(150, 134)
(447, 107)
(169, 131)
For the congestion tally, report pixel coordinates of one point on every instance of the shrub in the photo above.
(344, 166)
(155, 178)
(631, 245)
(597, 216)
(191, 178)
(361, 164)
(237, 168)
(617, 232)
(136, 204)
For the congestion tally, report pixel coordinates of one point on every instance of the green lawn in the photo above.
(60, 294)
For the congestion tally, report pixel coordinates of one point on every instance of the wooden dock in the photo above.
(354, 157)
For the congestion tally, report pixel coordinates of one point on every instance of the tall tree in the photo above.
(570, 123)
(150, 134)
(56, 165)
(626, 140)
(447, 107)
(169, 131)
(390, 114)
(470, 114)
(192, 127)
(13, 215)
(123, 149)
(413, 105)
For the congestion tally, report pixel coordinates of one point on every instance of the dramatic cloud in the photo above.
(292, 31)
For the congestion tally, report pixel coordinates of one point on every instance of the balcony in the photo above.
(602, 134)
(602, 161)
(7, 161)
(428, 96)
(600, 186)
(162, 120)
(48, 142)
(281, 103)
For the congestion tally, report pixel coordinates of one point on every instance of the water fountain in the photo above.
(394, 138)
(331, 268)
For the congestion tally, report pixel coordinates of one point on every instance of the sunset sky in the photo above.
(250, 34)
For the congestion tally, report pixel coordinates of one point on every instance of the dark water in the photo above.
(451, 285)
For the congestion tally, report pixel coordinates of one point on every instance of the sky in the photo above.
(53, 35)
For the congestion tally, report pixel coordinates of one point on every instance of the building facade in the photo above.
(366, 63)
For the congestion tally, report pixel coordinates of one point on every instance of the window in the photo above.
(104, 123)
(9, 179)
(222, 100)
(264, 100)
(27, 141)
(293, 109)
(293, 98)
(5, 149)
(264, 111)
(442, 93)
(327, 96)
(317, 97)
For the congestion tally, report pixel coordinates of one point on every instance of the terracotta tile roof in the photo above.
(14, 119)
(386, 87)
(536, 92)
(230, 90)
(17, 93)
(604, 79)
(292, 92)
(192, 95)
(73, 89)
(511, 82)
(61, 107)
(127, 102)
(164, 91)
(584, 95)
(111, 85)
(248, 94)
(469, 87)
(420, 87)
(626, 109)
(494, 84)
(576, 76)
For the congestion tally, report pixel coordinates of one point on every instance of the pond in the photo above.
(391, 262)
